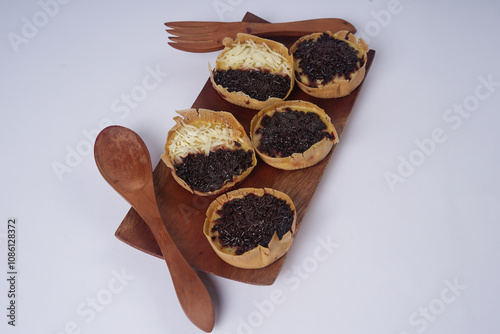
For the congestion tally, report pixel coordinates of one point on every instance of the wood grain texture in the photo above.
(184, 213)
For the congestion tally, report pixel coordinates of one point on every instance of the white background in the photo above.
(418, 254)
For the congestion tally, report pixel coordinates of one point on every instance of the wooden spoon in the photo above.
(124, 161)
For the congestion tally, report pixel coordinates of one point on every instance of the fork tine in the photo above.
(197, 47)
(193, 39)
(190, 24)
(189, 31)
(192, 28)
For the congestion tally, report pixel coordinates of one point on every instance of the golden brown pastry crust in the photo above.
(259, 256)
(310, 157)
(340, 86)
(240, 98)
(204, 116)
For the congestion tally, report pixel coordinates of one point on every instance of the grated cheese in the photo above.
(252, 56)
(204, 138)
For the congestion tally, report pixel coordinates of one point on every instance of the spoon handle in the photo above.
(191, 292)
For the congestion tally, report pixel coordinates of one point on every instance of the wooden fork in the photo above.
(207, 36)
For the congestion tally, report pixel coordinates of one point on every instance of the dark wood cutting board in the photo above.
(184, 213)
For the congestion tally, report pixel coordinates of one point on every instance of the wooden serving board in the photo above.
(184, 213)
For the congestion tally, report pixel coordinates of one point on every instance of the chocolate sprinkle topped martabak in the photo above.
(289, 132)
(250, 221)
(207, 173)
(326, 58)
(259, 85)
